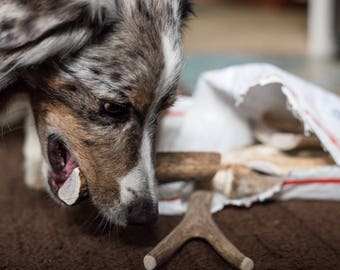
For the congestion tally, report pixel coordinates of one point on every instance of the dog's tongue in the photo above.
(70, 191)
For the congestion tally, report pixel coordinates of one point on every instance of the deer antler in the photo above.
(196, 166)
(203, 166)
(197, 223)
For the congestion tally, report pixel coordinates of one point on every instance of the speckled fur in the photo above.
(73, 54)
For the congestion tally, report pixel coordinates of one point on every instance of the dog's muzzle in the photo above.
(142, 211)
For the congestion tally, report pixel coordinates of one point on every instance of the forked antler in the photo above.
(197, 223)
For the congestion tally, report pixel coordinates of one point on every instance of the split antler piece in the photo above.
(269, 160)
(74, 189)
(197, 223)
(239, 181)
(284, 141)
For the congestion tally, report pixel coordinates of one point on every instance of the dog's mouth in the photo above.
(62, 162)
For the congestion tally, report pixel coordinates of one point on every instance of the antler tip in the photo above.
(247, 264)
(150, 262)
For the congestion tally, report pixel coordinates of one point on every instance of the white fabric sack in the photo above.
(216, 119)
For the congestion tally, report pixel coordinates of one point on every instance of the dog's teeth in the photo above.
(62, 163)
(70, 191)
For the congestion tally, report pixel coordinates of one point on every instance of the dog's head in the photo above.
(99, 73)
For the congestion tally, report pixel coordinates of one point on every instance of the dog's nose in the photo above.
(142, 211)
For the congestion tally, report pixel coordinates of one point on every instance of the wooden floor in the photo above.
(35, 233)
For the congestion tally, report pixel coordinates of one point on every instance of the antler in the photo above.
(205, 166)
(197, 223)
(187, 166)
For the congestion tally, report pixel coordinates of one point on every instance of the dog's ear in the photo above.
(186, 8)
(32, 31)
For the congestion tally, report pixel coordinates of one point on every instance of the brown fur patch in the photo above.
(104, 162)
(140, 99)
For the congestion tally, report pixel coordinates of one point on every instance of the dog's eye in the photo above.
(113, 109)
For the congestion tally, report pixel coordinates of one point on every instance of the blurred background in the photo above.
(301, 36)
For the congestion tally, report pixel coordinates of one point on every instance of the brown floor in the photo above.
(35, 233)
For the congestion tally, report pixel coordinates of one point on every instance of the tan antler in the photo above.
(197, 223)
(203, 166)
(195, 166)
(187, 166)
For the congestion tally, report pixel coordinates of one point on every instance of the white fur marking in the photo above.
(146, 160)
(172, 57)
(131, 181)
(32, 155)
(143, 172)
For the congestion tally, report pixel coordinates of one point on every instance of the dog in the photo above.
(97, 74)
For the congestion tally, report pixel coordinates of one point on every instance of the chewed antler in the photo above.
(196, 166)
(197, 223)
(73, 189)
(207, 166)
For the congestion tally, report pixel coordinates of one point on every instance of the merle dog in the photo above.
(97, 75)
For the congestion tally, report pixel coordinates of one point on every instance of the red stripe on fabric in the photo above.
(170, 199)
(330, 135)
(311, 181)
(175, 113)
